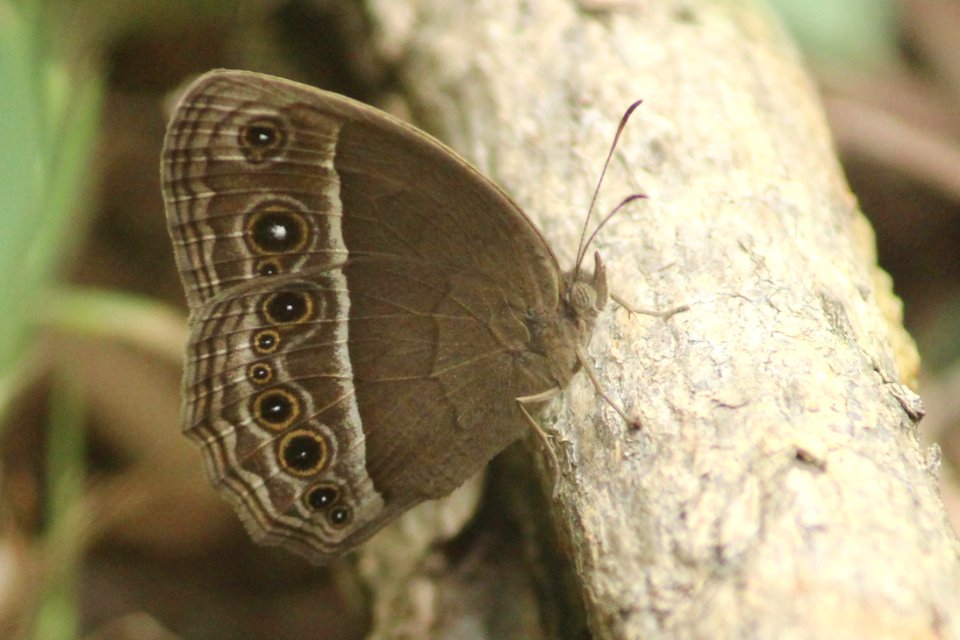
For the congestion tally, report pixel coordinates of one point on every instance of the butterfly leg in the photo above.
(588, 367)
(535, 399)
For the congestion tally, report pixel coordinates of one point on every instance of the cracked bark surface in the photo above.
(776, 487)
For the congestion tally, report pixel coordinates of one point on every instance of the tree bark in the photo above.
(775, 486)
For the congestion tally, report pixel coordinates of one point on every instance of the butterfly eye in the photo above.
(262, 139)
(303, 452)
(288, 307)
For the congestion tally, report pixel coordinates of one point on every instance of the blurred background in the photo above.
(107, 526)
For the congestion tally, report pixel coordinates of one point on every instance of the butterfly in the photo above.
(371, 317)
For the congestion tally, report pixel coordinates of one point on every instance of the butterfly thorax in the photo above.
(558, 335)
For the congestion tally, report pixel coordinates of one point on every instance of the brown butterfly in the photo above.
(370, 315)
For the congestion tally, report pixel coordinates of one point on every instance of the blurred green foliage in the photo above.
(859, 33)
(49, 109)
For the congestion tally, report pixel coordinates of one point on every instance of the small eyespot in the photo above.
(266, 341)
(275, 409)
(260, 373)
(261, 139)
(340, 516)
(322, 496)
(276, 227)
(268, 268)
(287, 307)
(302, 452)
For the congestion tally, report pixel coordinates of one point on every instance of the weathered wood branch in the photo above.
(776, 487)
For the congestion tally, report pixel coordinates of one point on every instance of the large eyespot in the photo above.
(340, 516)
(276, 409)
(302, 452)
(276, 227)
(322, 496)
(287, 307)
(263, 138)
(260, 373)
(266, 341)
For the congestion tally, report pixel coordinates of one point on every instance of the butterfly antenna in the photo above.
(607, 218)
(584, 240)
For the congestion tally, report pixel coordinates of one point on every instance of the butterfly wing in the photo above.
(365, 306)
